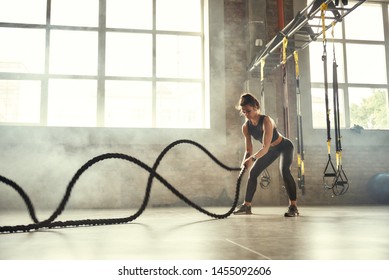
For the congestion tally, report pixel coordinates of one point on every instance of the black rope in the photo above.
(51, 223)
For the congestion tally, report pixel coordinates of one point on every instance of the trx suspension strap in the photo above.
(329, 170)
(300, 145)
(285, 86)
(340, 183)
(263, 61)
(265, 178)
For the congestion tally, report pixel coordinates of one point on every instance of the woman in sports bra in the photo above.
(274, 145)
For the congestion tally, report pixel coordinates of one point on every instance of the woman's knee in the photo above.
(254, 173)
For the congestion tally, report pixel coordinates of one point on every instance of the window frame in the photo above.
(215, 74)
(100, 76)
(345, 85)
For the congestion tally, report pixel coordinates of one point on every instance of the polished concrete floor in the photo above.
(319, 233)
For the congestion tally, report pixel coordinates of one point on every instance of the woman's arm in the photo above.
(248, 144)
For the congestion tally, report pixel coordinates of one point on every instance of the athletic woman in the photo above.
(274, 145)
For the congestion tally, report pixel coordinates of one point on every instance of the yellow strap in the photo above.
(323, 9)
(329, 146)
(284, 45)
(296, 61)
(338, 158)
(302, 168)
(333, 40)
(333, 30)
(300, 163)
(263, 60)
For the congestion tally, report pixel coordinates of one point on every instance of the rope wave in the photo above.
(153, 174)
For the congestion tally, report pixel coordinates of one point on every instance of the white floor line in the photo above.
(248, 249)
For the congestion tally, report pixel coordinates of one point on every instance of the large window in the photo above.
(361, 52)
(104, 63)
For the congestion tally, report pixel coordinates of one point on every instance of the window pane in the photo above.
(22, 50)
(129, 54)
(319, 115)
(365, 23)
(72, 103)
(73, 52)
(179, 15)
(132, 14)
(158, 40)
(33, 11)
(369, 107)
(128, 104)
(179, 105)
(363, 69)
(20, 101)
(75, 12)
(179, 56)
(317, 65)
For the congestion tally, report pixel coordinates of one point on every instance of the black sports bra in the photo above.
(257, 130)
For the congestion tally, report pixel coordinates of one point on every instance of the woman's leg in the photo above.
(256, 170)
(258, 167)
(286, 160)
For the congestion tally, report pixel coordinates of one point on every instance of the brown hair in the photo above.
(247, 99)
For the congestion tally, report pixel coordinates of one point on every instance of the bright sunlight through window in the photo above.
(361, 55)
(104, 63)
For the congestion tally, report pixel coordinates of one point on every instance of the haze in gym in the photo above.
(121, 132)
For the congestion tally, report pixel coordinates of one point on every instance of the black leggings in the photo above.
(284, 150)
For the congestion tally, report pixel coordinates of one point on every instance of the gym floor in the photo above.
(319, 233)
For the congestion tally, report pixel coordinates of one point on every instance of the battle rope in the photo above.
(51, 223)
